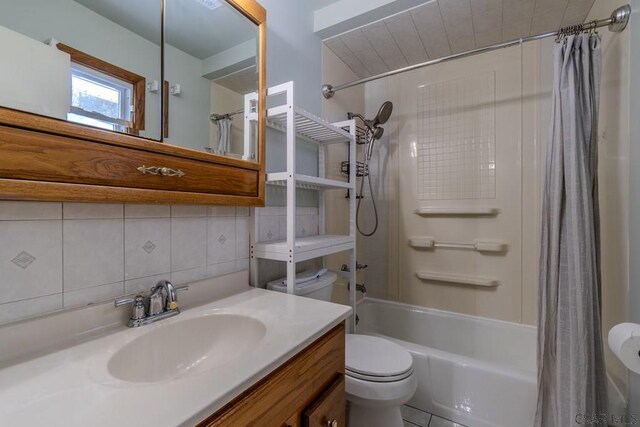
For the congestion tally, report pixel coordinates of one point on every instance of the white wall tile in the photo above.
(186, 276)
(220, 269)
(242, 237)
(93, 252)
(188, 211)
(92, 295)
(30, 259)
(268, 228)
(242, 264)
(24, 309)
(243, 211)
(22, 211)
(92, 210)
(221, 211)
(221, 239)
(147, 247)
(283, 226)
(143, 284)
(188, 243)
(147, 211)
(100, 248)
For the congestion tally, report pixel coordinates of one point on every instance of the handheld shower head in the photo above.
(383, 113)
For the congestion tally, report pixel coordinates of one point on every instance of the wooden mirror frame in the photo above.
(48, 159)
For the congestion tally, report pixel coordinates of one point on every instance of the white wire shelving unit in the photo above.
(298, 125)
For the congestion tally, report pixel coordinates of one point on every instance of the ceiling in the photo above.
(443, 27)
(190, 26)
(319, 4)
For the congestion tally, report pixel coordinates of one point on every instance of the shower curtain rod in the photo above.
(616, 23)
(215, 117)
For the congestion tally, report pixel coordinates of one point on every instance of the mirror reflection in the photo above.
(93, 62)
(211, 74)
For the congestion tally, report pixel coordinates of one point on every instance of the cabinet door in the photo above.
(294, 421)
(329, 409)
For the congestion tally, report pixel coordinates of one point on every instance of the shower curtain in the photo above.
(571, 369)
(224, 135)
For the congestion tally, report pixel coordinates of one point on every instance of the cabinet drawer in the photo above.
(48, 158)
(329, 409)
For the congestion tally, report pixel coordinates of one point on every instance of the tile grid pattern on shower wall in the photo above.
(456, 139)
(59, 255)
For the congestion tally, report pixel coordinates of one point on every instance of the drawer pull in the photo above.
(160, 170)
(332, 423)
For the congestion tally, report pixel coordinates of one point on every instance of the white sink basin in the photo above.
(170, 351)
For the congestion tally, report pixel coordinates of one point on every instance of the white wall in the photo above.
(189, 124)
(37, 76)
(335, 72)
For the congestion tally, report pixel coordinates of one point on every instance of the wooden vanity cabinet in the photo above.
(306, 391)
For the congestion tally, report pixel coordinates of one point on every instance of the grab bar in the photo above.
(477, 245)
(458, 278)
(462, 210)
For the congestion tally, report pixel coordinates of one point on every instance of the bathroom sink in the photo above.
(170, 351)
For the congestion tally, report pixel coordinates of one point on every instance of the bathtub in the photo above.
(472, 370)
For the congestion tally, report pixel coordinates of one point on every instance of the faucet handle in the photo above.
(138, 305)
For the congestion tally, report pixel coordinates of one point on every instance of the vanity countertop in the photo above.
(72, 387)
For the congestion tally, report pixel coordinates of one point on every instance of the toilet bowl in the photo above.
(379, 380)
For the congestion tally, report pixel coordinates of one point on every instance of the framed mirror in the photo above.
(89, 113)
(92, 62)
(211, 57)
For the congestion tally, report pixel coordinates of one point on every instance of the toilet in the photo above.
(310, 284)
(379, 376)
(379, 380)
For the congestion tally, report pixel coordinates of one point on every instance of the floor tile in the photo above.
(408, 424)
(441, 422)
(415, 416)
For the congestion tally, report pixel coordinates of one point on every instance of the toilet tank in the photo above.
(310, 285)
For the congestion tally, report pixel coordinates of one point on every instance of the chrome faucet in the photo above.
(359, 266)
(163, 303)
(360, 287)
(158, 302)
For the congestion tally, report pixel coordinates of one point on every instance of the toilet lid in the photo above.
(376, 358)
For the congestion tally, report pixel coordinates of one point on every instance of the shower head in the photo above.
(378, 132)
(383, 113)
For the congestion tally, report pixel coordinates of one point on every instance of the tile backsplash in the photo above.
(61, 255)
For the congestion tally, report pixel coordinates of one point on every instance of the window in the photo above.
(99, 100)
(104, 95)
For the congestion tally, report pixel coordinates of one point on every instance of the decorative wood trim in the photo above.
(285, 393)
(165, 109)
(15, 189)
(138, 82)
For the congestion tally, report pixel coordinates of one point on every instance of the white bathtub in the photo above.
(476, 371)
